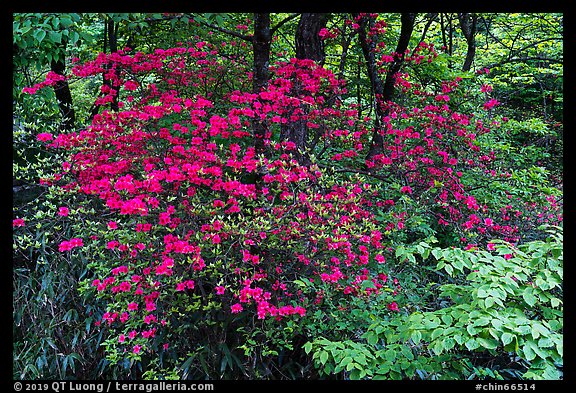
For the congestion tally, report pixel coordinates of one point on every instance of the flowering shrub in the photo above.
(197, 237)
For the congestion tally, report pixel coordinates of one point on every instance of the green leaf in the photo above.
(489, 302)
(437, 252)
(482, 321)
(529, 354)
(488, 343)
(407, 352)
(447, 319)
(416, 336)
(507, 338)
(66, 21)
(437, 333)
(39, 35)
(367, 284)
(472, 344)
(438, 348)
(528, 296)
(323, 357)
(55, 36)
(472, 330)
(538, 329)
(372, 338)
(74, 36)
(345, 361)
(300, 283)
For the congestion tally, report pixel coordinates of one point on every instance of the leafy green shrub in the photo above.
(502, 318)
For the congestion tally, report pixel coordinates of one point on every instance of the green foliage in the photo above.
(43, 37)
(53, 330)
(502, 317)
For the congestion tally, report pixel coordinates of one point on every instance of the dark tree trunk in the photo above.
(111, 32)
(383, 90)
(307, 39)
(309, 45)
(64, 97)
(112, 28)
(261, 42)
(403, 41)
(468, 26)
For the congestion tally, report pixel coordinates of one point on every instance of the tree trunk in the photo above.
(111, 32)
(383, 91)
(468, 26)
(309, 45)
(307, 39)
(64, 97)
(261, 42)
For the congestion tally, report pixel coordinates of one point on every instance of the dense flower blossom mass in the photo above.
(195, 212)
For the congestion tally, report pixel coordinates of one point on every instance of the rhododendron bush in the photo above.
(199, 240)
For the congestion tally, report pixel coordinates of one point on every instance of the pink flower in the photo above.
(76, 242)
(491, 104)
(137, 348)
(220, 290)
(491, 247)
(393, 307)
(406, 190)
(122, 338)
(68, 245)
(236, 308)
(63, 211)
(45, 137)
(380, 259)
(112, 225)
(18, 222)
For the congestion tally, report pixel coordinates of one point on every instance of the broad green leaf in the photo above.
(507, 338)
(482, 321)
(529, 354)
(416, 336)
(488, 343)
(472, 344)
(437, 333)
(39, 35)
(528, 296)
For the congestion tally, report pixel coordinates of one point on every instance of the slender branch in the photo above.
(431, 18)
(282, 22)
(524, 59)
(244, 37)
